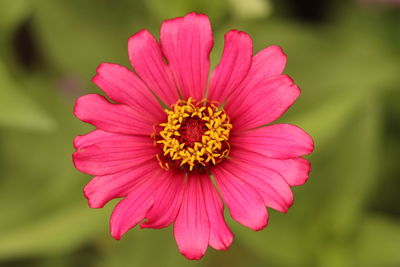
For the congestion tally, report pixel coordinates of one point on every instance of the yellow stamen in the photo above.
(212, 145)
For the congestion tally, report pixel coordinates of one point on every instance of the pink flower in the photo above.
(170, 131)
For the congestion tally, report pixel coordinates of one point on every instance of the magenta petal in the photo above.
(294, 170)
(187, 43)
(116, 118)
(91, 138)
(147, 60)
(245, 204)
(234, 65)
(269, 184)
(132, 209)
(280, 141)
(101, 153)
(169, 38)
(221, 236)
(191, 228)
(123, 86)
(102, 189)
(167, 202)
(268, 62)
(266, 102)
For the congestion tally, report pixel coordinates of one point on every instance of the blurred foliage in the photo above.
(347, 66)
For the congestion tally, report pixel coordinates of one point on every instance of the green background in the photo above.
(344, 55)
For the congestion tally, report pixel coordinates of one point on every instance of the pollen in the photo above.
(195, 136)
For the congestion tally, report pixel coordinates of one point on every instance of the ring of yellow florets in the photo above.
(195, 136)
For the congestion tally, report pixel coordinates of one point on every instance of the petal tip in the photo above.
(91, 202)
(194, 14)
(101, 66)
(225, 244)
(263, 225)
(80, 102)
(138, 41)
(114, 231)
(237, 32)
(259, 227)
(147, 224)
(76, 142)
(194, 256)
(116, 236)
(138, 34)
(277, 48)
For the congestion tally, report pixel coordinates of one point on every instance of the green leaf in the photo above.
(280, 244)
(170, 9)
(325, 120)
(251, 9)
(378, 241)
(12, 12)
(17, 110)
(59, 232)
(76, 40)
(138, 247)
(344, 177)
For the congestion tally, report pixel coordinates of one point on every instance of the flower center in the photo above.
(194, 137)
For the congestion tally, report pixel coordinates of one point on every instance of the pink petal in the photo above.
(266, 102)
(147, 60)
(102, 189)
(280, 141)
(168, 36)
(295, 170)
(132, 209)
(187, 44)
(123, 86)
(245, 204)
(234, 65)
(116, 118)
(269, 184)
(101, 153)
(221, 236)
(191, 228)
(91, 138)
(269, 62)
(167, 202)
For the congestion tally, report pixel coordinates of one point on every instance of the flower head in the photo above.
(195, 136)
(178, 146)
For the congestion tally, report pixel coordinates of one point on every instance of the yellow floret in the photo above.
(209, 149)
